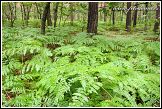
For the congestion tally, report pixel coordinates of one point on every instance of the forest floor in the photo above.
(67, 67)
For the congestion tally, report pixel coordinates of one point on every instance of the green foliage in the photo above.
(63, 69)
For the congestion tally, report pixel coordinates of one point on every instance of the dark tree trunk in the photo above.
(92, 17)
(135, 15)
(15, 12)
(49, 21)
(44, 17)
(146, 7)
(55, 13)
(105, 12)
(113, 16)
(110, 18)
(25, 15)
(157, 23)
(105, 17)
(128, 19)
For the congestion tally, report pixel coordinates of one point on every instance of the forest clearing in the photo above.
(80, 54)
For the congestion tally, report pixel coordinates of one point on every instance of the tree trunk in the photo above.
(55, 13)
(61, 11)
(92, 17)
(44, 17)
(122, 13)
(105, 12)
(71, 13)
(135, 15)
(25, 16)
(15, 11)
(113, 16)
(49, 21)
(157, 23)
(22, 14)
(128, 19)
(12, 13)
(26, 11)
(146, 6)
(35, 13)
(40, 15)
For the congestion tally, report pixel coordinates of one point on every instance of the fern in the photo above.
(66, 68)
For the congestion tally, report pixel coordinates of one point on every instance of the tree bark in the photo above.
(44, 17)
(146, 11)
(105, 12)
(157, 23)
(49, 21)
(71, 13)
(12, 13)
(128, 19)
(61, 11)
(55, 13)
(40, 15)
(92, 17)
(22, 14)
(113, 16)
(26, 11)
(15, 11)
(135, 15)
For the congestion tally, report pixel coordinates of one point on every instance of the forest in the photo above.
(80, 54)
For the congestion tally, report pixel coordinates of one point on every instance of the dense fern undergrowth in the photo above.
(69, 68)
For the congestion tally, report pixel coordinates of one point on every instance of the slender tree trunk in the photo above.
(55, 13)
(105, 13)
(146, 11)
(92, 17)
(120, 16)
(12, 16)
(15, 12)
(71, 13)
(44, 17)
(25, 14)
(157, 23)
(113, 16)
(110, 18)
(35, 13)
(128, 19)
(105, 17)
(22, 14)
(135, 15)
(61, 14)
(40, 15)
(139, 16)
(26, 11)
(49, 21)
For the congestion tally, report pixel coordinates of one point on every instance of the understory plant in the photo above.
(66, 68)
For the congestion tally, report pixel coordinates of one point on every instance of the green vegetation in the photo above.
(67, 67)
